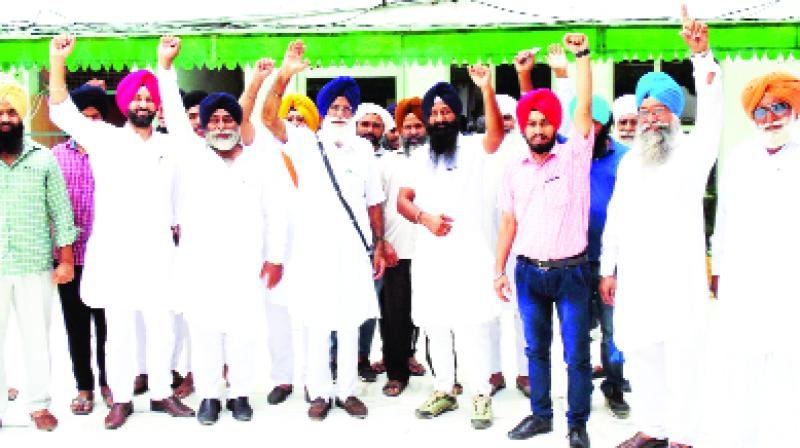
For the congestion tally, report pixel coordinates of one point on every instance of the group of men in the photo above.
(317, 221)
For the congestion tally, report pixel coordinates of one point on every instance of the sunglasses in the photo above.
(780, 108)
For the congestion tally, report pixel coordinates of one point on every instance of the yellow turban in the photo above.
(302, 104)
(16, 96)
(780, 85)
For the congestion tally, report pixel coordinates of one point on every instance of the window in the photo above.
(627, 74)
(380, 90)
(681, 72)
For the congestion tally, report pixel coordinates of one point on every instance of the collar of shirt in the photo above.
(27, 148)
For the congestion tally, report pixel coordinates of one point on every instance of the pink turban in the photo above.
(542, 100)
(127, 88)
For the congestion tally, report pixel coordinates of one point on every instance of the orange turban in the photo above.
(405, 107)
(302, 104)
(780, 85)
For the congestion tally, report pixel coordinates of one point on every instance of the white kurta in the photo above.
(129, 254)
(654, 235)
(399, 232)
(232, 219)
(330, 275)
(451, 276)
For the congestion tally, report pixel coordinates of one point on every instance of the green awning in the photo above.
(632, 41)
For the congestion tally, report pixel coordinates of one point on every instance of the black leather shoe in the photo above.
(208, 414)
(578, 438)
(279, 394)
(241, 409)
(529, 427)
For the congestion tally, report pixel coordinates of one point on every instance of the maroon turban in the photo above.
(127, 88)
(542, 100)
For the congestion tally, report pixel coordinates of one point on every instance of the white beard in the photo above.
(338, 133)
(777, 138)
(625, 137)
(225, 143)
(656, 146)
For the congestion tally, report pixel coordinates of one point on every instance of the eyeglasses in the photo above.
(296, 119)
(337, 108)
(370, 124)
(627, 122)
(657, 111)
(221, 121)
(780, 108)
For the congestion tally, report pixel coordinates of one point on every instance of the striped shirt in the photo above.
(80, 186)
(32, 196)
(550, 200)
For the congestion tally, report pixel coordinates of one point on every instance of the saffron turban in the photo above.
(600, 111)
(127, 88)
(90, 96)
(302, 104)
(193, 98)
(507, 105)
(370, 108)
(219, 100)
(542, 100)
(662, 87)
(624, 105)
(780, 85)
(447, 93)
(15, 95)
(342, 86)
(407, 106)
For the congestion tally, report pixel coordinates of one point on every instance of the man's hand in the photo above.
(97, 83)
(502, 287)
(525, 60)
(576, 42)
(168, 48)
(293, 62)
(378, 263)
(390, 255)
(694, 32)
(62, 46)
(63, 273)
(608, 289)
(264, 68)
(439, 225)
(481, 75)
(273, 272)
(714, 285)
(557, 60)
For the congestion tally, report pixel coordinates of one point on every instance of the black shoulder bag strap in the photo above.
(341, 198)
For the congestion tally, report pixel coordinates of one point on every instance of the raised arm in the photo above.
(482, 77)
(263, 68)
(524, 62)
(578, 44)
(293, 63)
(565, 88)
(178, 123)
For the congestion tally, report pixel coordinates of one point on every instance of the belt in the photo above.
(554, 264)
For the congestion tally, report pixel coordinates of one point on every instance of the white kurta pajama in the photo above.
(232, 219)
(331, 273)
(755, 246)
(654, 241)
(129, 256)
(451, 277)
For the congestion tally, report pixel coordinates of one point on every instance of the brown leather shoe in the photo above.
(642, 440)
(524, 385)
(44, 420)
(319, 409)
(355, 407)
(140, 384)
(108, 397)
(186, 387)
(118, 415)
(171, 406)
(497, 381)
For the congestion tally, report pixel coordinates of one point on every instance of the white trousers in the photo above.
(666, 389)
(31, 296)
(474, 352)
(212, 349)
(122, 351)
(279, 338)
(183, 343)
(496, 339)
(318, 372)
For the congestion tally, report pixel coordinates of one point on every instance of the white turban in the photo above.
(624, 105)
(370, 108)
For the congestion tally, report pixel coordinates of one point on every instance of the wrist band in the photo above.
(582, 53)
(499, 276)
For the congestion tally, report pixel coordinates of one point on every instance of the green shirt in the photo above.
(32, 195)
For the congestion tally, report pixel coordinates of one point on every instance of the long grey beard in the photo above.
(656, 146)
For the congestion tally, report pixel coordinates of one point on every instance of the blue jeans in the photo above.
(568, 289)
(610, 357)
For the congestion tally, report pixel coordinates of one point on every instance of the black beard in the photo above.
(11, 141)
(542, 148)
(141, 122)
(601, 142)
(443, 137)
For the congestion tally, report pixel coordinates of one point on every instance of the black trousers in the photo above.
(78, 319)
(396, 327)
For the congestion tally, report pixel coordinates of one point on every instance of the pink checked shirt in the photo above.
(550, 201)
(80, 186)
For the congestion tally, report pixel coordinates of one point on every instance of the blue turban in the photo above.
(342, 86)
(447, 93)
(219, 100)
(662, 87)
(90, 96)
(600, 111)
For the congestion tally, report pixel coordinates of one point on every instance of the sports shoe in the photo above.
(481, 412)
(437, 404)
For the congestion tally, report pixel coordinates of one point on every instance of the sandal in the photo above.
(415, 368)
(379, 367)
(108, 397)
(44, 420)
(393, 388)
(83, 404)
